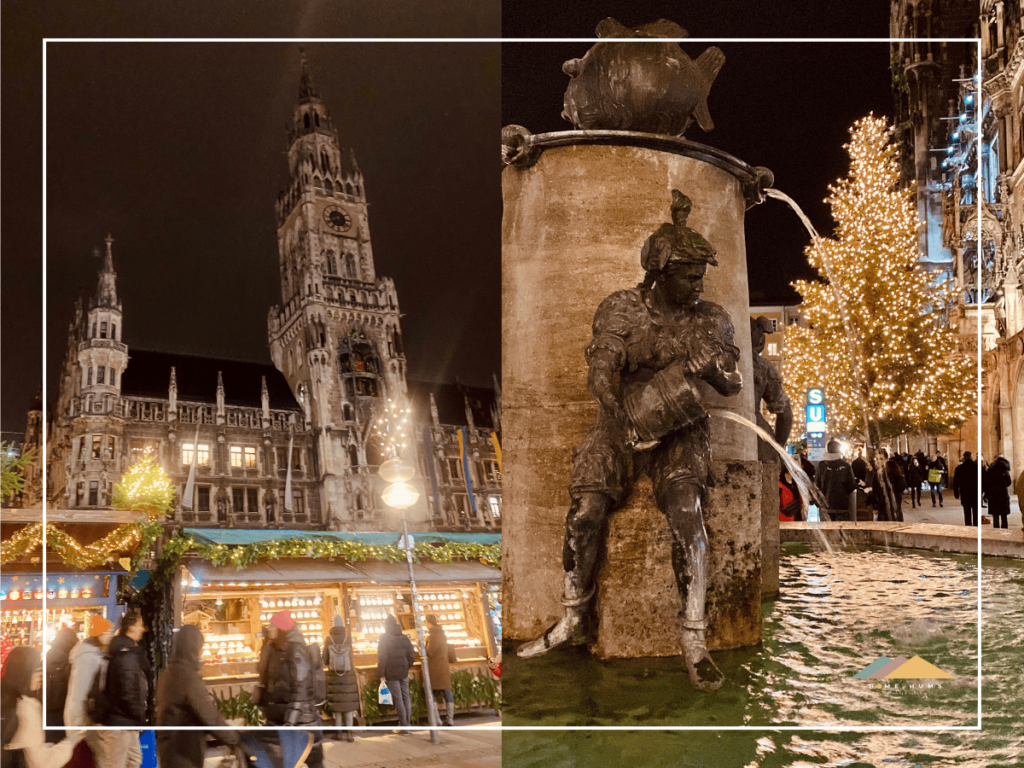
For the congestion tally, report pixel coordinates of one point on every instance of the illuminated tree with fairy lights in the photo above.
(144, 487)
(886, 357)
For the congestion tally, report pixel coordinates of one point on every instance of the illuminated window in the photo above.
(139, 447)
(772, 349)
(775, 324)
(204, 454)
(494, 502)
(236, 455)
(250, 457)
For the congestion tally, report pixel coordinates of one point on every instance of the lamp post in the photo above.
(400, 495)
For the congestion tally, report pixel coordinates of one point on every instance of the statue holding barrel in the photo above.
(651, 346)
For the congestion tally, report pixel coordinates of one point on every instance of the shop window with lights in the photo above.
(203, 454)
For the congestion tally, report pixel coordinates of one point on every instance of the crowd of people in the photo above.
(896, 476)
(105, 679)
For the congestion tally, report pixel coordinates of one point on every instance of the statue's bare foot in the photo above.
(704, 675)
(568, 630)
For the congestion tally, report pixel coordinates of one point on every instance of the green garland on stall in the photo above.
(354, 551)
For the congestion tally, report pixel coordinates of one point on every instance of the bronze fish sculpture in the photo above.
(650, 87)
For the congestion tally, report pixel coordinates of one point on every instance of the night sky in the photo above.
(177, 150)
(773, 104)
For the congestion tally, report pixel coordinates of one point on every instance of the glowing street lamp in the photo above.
(396, 472)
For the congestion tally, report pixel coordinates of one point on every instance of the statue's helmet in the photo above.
(676, 242)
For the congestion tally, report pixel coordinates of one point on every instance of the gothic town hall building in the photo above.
(336, 345)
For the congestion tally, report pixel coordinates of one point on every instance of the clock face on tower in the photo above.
(337, 218)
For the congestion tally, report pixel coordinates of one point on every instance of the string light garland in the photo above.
(125, 538)
(906, 360)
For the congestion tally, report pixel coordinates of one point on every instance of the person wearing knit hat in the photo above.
(283, 620)
(342, 685)
(87, 660)
(98, 625)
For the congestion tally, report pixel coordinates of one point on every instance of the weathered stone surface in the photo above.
(573, 227)
(769, 529)
(640, 608)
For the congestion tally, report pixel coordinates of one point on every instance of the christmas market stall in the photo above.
(230, 582)
(86, 565)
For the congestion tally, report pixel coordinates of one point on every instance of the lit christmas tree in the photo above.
(886, 357)
(144, 487)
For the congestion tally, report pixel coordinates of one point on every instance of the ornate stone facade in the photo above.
(336, 345)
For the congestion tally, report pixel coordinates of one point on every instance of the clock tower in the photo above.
(336, 335)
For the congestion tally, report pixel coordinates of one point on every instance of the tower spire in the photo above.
(306, 89)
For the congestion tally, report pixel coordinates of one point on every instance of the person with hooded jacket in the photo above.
(88, 659)
(342, 686)
(22, 740)
(182, 699)
(58, 676)
(439, 658)
(395, 655)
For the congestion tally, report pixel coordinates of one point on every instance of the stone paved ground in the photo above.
(474, 743)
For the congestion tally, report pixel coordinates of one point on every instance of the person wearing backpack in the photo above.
(342, 686)
(58, 674)
(85, 688)
(22, 740)
(288, 681)
(440, 656)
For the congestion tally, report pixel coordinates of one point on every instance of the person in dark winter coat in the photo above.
(806, 465)
(887, 486)
(936, 464)
(860, 468)
(182, 699)
(965, 488)
(836, 482)
(22, 744)
(395, 655)
(996, 483)
(342, 686)
(916, 474)
(58, 674)
(286, 683)
(127, 695)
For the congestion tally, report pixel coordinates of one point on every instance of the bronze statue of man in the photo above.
(651, 344)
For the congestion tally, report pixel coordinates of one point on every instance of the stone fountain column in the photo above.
(577, 209)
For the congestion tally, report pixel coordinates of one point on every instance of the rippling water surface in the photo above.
(837, 614)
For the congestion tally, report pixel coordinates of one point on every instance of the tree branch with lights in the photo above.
(885, 357)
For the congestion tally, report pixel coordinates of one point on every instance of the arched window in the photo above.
(347, 409)
(316, 118)
(353, 455)
(348, 189)
(305, 120)
(328, 186)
